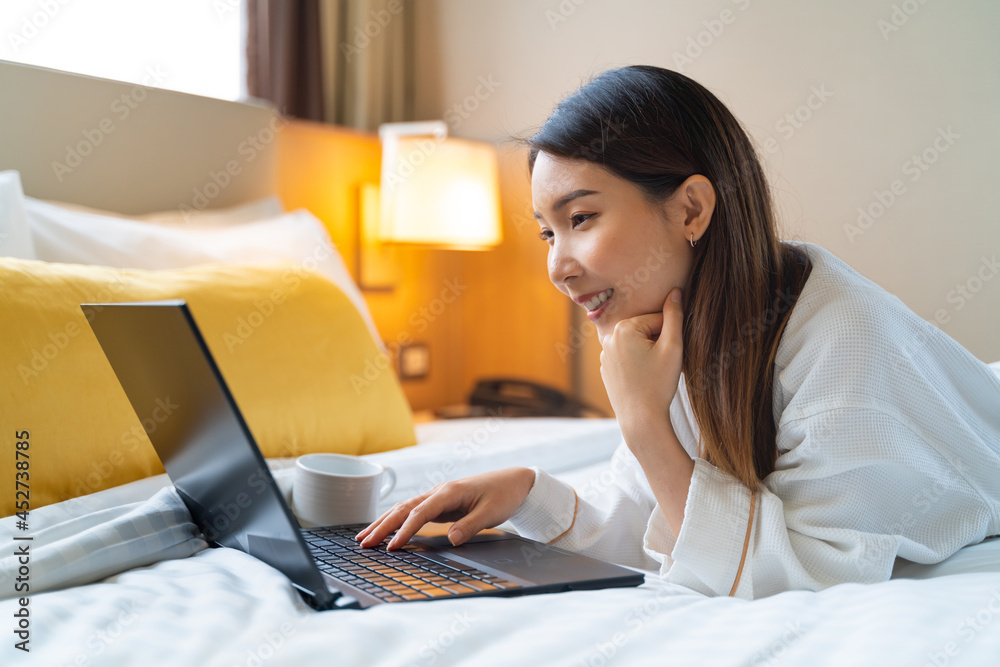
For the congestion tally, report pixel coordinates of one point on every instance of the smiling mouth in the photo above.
(596, 302)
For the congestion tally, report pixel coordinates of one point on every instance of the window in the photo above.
(195, 46)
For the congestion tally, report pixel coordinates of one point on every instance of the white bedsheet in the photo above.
(157, 604)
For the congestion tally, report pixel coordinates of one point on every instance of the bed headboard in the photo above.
(128, 148)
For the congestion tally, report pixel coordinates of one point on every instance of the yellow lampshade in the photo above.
(440, 191)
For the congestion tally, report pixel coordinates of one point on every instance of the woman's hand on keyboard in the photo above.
(473, 503)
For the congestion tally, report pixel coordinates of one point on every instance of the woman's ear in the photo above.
(694, 203)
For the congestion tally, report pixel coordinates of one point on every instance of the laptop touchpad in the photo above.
(505, 555)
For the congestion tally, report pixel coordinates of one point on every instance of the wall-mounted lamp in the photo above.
(435, 190)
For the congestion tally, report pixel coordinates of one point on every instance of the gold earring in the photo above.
(693, 242)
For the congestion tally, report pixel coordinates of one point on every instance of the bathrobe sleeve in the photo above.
(606, 518)
(853, 489)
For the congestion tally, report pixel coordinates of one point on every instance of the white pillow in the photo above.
(15, 234)
(74, 235)
(262, 209)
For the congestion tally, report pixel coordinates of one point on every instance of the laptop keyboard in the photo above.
(398, 575)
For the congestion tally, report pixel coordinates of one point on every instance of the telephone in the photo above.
(511, 397)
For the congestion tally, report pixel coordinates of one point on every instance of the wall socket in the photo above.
(414, 361)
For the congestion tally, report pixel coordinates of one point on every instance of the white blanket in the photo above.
(163, 598)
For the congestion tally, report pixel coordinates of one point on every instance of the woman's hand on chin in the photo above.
(641, 364)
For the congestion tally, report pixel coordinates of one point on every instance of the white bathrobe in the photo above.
(888, 436)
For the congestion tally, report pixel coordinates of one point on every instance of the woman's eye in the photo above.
(575, 220)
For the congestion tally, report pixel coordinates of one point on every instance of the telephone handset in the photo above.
(513, 397)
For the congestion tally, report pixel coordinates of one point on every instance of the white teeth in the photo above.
(598, 300)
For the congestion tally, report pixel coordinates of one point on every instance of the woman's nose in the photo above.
(563, 267)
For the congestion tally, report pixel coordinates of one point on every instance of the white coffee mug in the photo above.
(336, 489)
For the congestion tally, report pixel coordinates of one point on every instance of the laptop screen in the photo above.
(186, 409)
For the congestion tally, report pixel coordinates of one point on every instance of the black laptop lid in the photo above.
(178, 393)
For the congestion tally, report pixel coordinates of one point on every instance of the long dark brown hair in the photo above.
(655, 128)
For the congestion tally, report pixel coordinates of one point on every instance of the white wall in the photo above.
(889, 94)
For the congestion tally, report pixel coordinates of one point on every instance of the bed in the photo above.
(121, 576)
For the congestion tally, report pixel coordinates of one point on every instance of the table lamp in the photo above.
(435, 190)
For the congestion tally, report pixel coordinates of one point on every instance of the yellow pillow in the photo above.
(296, 354)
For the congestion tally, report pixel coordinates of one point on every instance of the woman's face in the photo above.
(611, 251)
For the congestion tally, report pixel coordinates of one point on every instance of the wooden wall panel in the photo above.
(480, 313)
(515, 316)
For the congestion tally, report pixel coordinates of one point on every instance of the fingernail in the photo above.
(455, 536)
(675, 295)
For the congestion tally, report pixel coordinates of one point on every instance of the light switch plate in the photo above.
(414, 361)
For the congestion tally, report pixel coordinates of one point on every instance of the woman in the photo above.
(787, 423)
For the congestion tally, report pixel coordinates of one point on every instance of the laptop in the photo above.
(167, 371)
